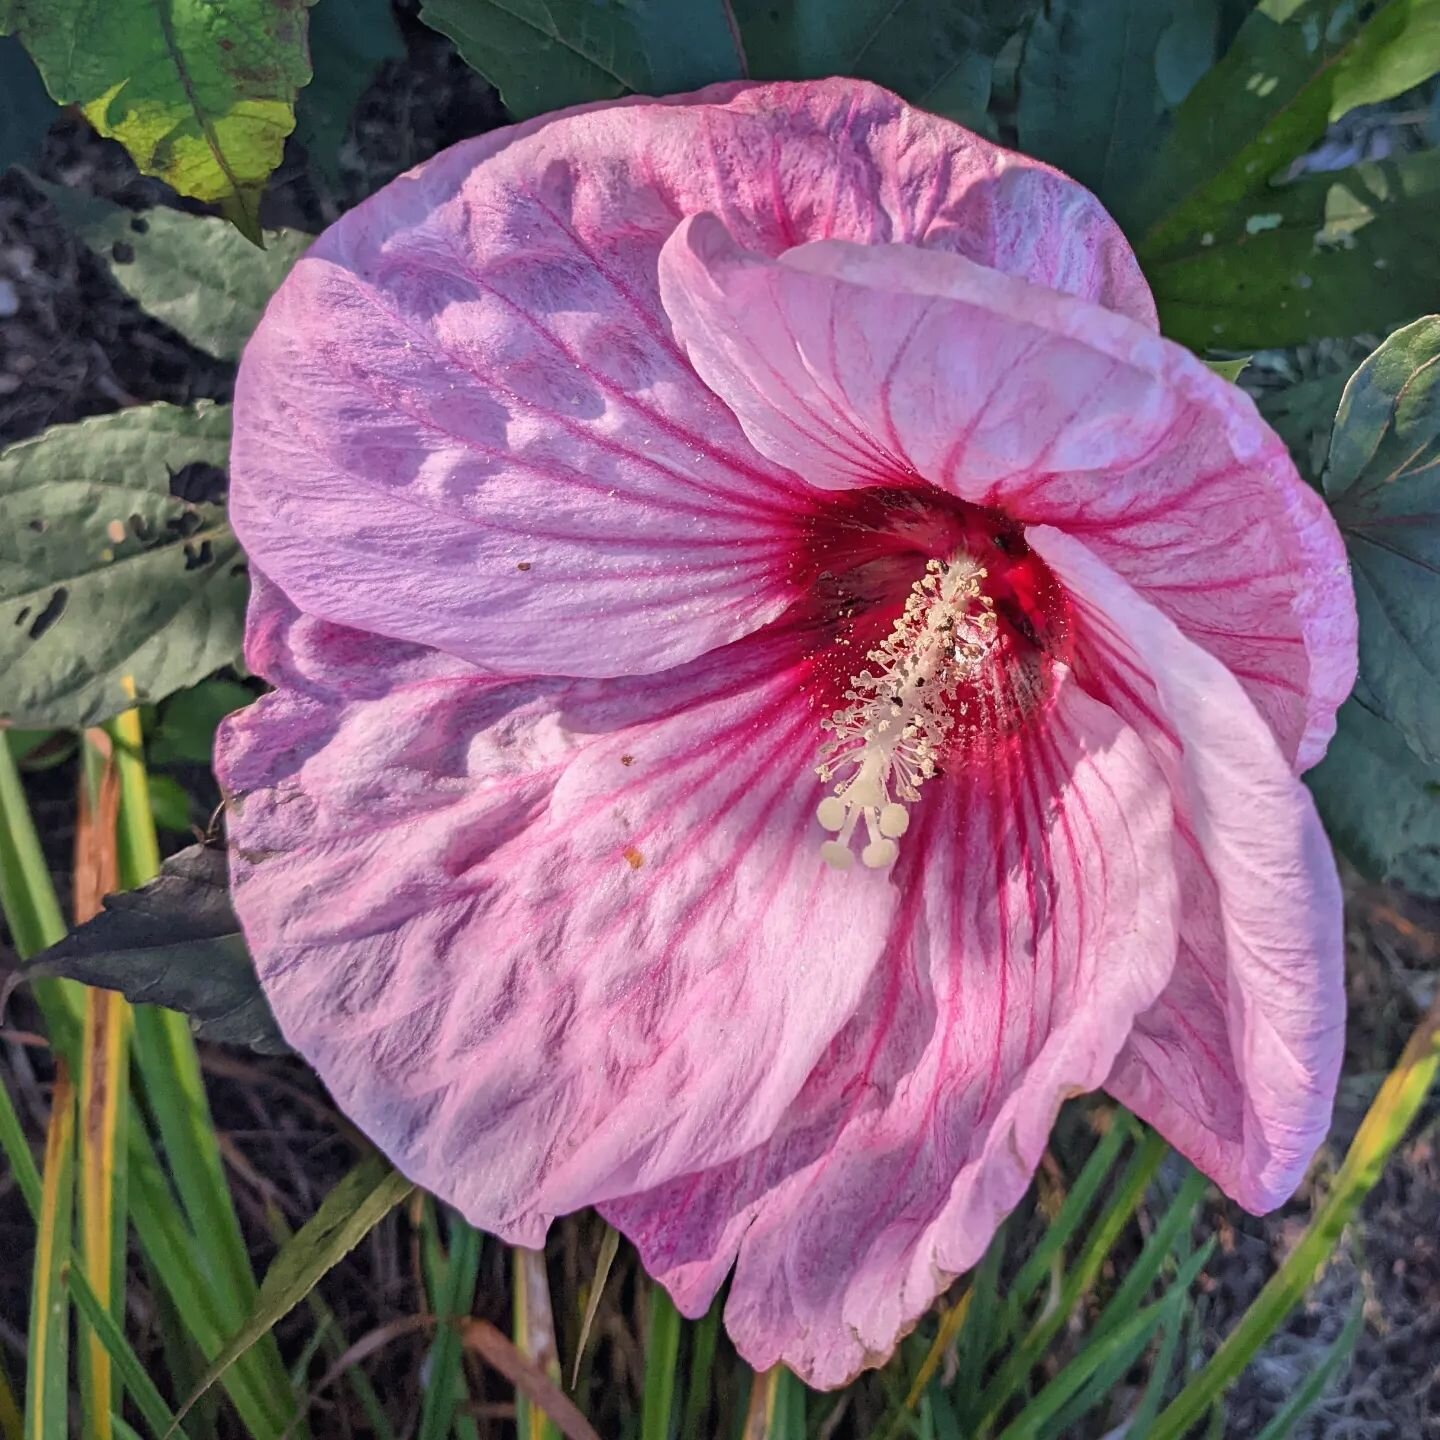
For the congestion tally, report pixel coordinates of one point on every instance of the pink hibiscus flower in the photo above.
(782, 677)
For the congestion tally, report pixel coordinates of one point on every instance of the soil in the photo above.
(72, 345)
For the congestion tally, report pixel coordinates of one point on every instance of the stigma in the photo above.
(901, 712)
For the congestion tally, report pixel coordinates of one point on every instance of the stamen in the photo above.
(889, 739)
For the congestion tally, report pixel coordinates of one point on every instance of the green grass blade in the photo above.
(985, 1321)
(704, 1335)
(1169, 1312)
(1103, 1235)
(1174, 1225)
(1386, 1122)
(16, 1149)
(12, 1422)
(174, 1255)
(1073, 1209)
(609, 1248)
(26, 892)
(662, 1352)
(453, 1290)
(47, 1390)
(141, 1388)
(1294, 1410)
(1161, 1369)
(788, 1420)
(174, 1088)
(346, 1215)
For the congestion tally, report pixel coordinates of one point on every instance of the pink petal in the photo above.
(545, 942)
(853, 364)
(1037, 918)
(464, 422)
(1237, 1063)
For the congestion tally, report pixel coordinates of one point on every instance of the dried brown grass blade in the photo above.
(532, 1382)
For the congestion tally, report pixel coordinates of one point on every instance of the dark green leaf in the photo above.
(1090, 99)
(174, 942)
(1383, 484)
(1329, 255)
(194, 272)
(546, 54)
(186, 731)
(113, 588)
(349, 41)
(345, 1217)
(936, 53)
(1302, 415)
(1295, 66)
(1380, 802)
(27, 112)
(169, 803)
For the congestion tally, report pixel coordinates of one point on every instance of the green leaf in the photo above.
(936, 53)
(1295, 66)
(1090, 99)
(546, 54)
(174, 942)
(188, 720)
(194, 272)
(169, 804)
(345, 1217)
(28, 111)
(1332, 254)
(1383, 484)
(349, 41)
(1230, 370)
(113, 588)
(200, 94)
(1302, 415)
(1313, 1387)
(47, 1392)
(1380, 802)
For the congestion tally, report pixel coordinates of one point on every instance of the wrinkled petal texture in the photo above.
(549, 941)
(529, 449)
(464, 422)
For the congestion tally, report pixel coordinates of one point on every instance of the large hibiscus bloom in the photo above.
(782, 677)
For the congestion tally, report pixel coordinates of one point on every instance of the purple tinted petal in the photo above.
(464, 422)
(544, 942)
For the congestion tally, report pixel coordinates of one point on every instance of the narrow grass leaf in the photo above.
(346, 1215)
(106, 1330)
(103, 1091)
(704, 1335)
(1173, 1227)
(609, 1248)
(47, 1390)
(662, 1352)
(12, 1422)
(16, 1149)
(1103, 1235)
(452, 1289)
(1294, 1410)
(1073, 1210)
(1170, 1312)
(1390, 1115)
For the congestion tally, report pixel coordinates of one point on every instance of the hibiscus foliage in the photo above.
(1274, 167)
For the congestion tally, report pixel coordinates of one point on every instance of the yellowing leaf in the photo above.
(200, 94)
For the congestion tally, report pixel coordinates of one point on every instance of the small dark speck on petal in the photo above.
(627, 759)
(633, 858)
(523, 565)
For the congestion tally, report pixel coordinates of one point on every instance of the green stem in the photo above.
(662, 1351)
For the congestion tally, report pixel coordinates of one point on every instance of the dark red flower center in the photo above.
(938, 629)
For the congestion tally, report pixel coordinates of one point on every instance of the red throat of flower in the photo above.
(943, 630)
